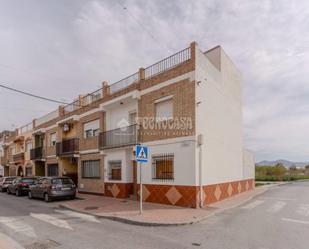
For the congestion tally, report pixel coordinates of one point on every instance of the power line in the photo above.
(32, 95)
(142, 25)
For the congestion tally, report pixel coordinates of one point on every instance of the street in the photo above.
(278, 218)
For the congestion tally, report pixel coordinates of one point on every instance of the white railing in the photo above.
(25, 129)
(47, 117)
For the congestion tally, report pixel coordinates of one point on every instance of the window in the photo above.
(28, 146)
(163, 167)
(52, 170)
(164, 109)
(29, 171)
(114, 170)
(91, 169)
(92, 129)
(53, 139)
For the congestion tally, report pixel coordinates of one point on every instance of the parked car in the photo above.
(20, 185)
(5, 181)
(50, 188)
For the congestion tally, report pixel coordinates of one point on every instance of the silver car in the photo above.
(50, 188)
(5, 182)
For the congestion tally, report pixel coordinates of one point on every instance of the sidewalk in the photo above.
(154, 214)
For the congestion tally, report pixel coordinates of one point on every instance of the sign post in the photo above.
(141, 157)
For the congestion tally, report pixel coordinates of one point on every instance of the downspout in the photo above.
(201, 192)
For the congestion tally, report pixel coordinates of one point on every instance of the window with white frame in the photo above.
(91, 169)
(164, 109)
(163, 167)
(92, 128)
(114, 170)
(53, 139)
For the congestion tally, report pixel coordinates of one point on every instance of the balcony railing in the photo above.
(36, 153)
(18, 157)
(67, 147)
(121, 137)
(168, 63)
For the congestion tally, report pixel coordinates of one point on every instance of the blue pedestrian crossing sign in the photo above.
(141, 154)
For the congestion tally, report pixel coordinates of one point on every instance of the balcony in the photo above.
(67, 147)
(19, 157)
(125, 136)
(36, 153)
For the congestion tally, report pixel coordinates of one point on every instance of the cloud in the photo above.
(62, 50)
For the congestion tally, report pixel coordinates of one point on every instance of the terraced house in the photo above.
(186, 108)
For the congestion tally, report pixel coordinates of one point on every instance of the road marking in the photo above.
(52, 220)
(303, 209)
(253, 204)
(278, 198)
(18, 226)
(296, 221)
(8, 243)
(85, 217)
(276, 207)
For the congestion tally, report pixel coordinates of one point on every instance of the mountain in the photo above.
(285, 163)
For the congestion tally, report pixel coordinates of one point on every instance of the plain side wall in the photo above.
(219, 118)
(248, 164)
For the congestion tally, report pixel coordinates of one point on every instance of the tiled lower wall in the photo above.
(184, 196)
(118, 190)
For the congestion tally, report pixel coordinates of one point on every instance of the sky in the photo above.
(62, 48)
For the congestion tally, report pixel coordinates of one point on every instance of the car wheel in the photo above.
(46, 197)
(2, 190)
(8, 191)
(29, 195)
(72, 197)
(18, 192)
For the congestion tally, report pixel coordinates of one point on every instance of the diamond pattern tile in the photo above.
(146, 193)
(173, 195)
(230, 189)
(218, 192)
(114, 190)
(247, 185)
(239, 187)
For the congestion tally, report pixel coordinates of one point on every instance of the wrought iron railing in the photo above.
(19, 157)
(67, 147)
(168, 63)
(121, 137)
(36, 153)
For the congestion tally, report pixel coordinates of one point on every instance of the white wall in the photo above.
(124, 155)
(248, 164)
(118, 112)
(184, 161)
(219, 119)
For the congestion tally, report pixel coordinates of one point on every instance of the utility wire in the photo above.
(142, 25)
(32, 95)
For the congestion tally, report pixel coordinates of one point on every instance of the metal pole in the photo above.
(140, 189)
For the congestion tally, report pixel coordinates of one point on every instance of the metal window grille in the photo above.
(52, 170)
(91, 169)
(163, 167)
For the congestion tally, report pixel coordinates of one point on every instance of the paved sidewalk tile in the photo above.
(153, 214)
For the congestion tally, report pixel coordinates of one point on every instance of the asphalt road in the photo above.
(277, 219)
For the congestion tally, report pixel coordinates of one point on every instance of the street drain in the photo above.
(46, 244)
(196, 244)
(91, 208)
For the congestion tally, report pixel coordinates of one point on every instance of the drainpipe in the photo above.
(200, 142)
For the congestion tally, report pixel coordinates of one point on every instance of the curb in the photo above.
(155, 224)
